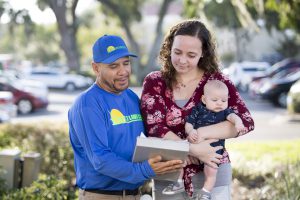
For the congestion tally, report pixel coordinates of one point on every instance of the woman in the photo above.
(188, 61)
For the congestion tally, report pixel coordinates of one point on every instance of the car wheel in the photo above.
(70, 87)
(282, 99)
(24, 106)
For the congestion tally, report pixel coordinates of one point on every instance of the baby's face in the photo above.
(216, 100)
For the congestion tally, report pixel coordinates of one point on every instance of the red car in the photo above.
(27, 96)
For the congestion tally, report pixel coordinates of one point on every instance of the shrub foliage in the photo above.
(52, 142)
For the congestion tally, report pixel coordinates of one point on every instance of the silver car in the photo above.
(58, 79)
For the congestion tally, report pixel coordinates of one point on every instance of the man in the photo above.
(104, 123)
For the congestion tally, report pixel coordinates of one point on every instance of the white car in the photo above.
(7, 107)
(58, 79)
(241, 73)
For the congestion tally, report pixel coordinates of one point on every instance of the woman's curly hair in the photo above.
(191, 28)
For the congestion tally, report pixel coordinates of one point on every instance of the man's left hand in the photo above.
(162, 167)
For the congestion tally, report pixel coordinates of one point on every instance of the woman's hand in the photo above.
(206, 153)
(162, 167)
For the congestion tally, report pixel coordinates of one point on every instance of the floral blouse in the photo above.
(161, 114)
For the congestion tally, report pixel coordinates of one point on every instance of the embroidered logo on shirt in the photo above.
(118, 118)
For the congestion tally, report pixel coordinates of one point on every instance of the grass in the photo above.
(286, 151)
(267, 170)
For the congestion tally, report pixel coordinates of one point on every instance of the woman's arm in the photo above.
(153, 106)
(222, 130)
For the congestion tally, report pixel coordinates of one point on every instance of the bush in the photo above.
(269, 171)
(280, 183)
(284, 184)
(44, 188)
(51, 141)
(2, 183)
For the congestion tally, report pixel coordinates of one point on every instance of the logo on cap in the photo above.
(112, 48)
(109, 48)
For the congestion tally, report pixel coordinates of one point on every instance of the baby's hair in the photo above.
(214, 84)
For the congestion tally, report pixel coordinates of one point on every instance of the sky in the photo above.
(37, 15)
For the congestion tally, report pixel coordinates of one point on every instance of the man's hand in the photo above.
(206, 153)
(162, 167)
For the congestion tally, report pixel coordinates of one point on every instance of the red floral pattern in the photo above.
(161, 114)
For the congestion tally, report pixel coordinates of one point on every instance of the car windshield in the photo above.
(281, 65)
(16, 84)
(294, 76)
(284, 73)
(253, 69)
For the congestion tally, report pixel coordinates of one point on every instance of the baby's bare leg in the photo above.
(210, 177)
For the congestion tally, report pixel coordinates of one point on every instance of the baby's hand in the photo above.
(240, 128)
(193, 136)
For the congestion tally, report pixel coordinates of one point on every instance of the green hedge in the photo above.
(45, 188)
(52, 142)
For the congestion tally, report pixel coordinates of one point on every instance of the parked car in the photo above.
(288, 64)
(241, 73)
(8, 109)
(293, 99)
(256, 85)
(27, 96)
(58, 79)
(276, 89)
(278, 70)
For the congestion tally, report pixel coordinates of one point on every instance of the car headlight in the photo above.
(295, 88)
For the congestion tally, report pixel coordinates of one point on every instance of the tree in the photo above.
(64, 11)
(2, 8)
(222, 14)
(284, 11)
(288, 11)
(248, 14)
(228, 13)
(19, 20)
(17, 17)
